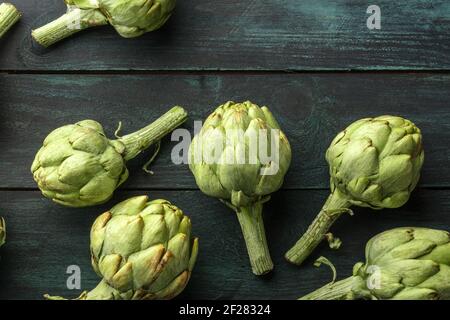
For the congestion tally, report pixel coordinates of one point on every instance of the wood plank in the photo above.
(311, 109)
(250, 35)
(43, 239)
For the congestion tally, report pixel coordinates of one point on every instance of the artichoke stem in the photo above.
(140, 140)
(68, 24)
(340, 290)
(336, 205)
(2, 231)
(252, 225)
(9, 15)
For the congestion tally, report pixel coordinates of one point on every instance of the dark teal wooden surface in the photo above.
(44, 239)
(311, 108)
(208, 53)
(248, 35)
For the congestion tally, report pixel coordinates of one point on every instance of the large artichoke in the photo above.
(2, 231)
(9, 15)
(221, 161)
(142, 250)
(78, 166)
(130, 18)
(403, 264)
(374, 163)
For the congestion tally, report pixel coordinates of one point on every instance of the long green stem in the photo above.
(340, 290)
(140, 140)
(68, 24)
(252, 225)
(335, 205)
(9, 15)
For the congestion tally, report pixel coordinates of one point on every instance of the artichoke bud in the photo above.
(402, 263)
(142, 250)
(374, 162)
(241, 157)
(9, 15)
(79, 166)
(130, 18)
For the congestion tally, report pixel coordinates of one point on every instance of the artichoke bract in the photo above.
(78, 166)
(9, 15)
(142, 250)
(402, 264)
(228, 160)
(130, 18)
(376, 163)
(2, 231)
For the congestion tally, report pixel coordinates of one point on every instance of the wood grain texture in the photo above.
(44, 239)
(311, 109)
(247, 35)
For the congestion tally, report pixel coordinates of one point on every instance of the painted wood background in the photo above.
(314, 63)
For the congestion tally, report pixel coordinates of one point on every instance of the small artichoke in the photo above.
(2, 231)
(220, 157)
(142, 250)
(376, 163)
(130, 18)
(401, 264)
(9, 15)
(78, 166)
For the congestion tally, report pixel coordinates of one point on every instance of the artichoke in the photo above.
(9, 15)
(375, 162)
(130, 18)
(401, 264)
(78, 166)
(226, 160)
(142, 250)
(2, 231)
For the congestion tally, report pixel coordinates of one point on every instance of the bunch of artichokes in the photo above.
(221, 161)
(142, 250)
(130, 18)
(376, 163)
(9, 15)
(2, 231)
(78, 166)
(403, 264)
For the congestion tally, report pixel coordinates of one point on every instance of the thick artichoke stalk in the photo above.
(401, 264)
(142, 250)
(2, 231)
(130, 18)
(375, 162)
(221, 161)
(9, 15)
(78, 166)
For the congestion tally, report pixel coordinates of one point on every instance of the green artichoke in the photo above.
(223, 159)
(78, 166)
(2, 231)
(374, 163)
(9, 15)
(130, 18)
(142, 250)
(401, 264)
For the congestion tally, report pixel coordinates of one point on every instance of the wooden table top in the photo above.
(314, 63)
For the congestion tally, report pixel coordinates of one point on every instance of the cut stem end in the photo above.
(9, 15)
